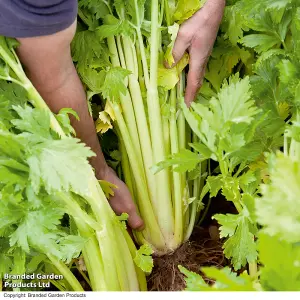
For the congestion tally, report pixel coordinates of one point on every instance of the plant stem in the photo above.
(253, 270)
(153, 233)
(67, 274)
(177, 182)
(167, 13)
(126, 103)
(143, 130)
(162, 179)
(141, 44)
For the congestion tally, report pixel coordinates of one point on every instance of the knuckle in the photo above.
(184, 34)
(197, 42)
(129, 208)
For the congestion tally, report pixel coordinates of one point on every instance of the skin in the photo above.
(197, 36)
(48, 64)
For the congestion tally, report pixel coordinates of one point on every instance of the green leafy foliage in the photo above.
(224, 280)
(99, 8)
(277, 209)
(241, 247)
(280, 259)
(113, 84)
(185, 9)
(259, 39)
(47, 166)
(143, 258)
(182, 161)
(194, 282)
(34, 165)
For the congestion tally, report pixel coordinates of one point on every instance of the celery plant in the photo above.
(46, 173)
(120, 52)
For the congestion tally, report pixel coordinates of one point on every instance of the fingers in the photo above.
(135, 221)
(122, 202)
(181, 45)
(195, 75)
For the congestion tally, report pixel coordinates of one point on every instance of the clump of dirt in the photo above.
(203, 249)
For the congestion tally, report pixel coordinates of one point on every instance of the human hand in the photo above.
(122, 201)
(197, 36)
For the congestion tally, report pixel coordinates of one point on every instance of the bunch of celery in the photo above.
(120, 52)
(44, 175)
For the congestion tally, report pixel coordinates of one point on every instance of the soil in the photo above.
(203, 249)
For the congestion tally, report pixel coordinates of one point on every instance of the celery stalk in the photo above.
(166, 219)
(65, 271)
(177, 184)
(112, 258)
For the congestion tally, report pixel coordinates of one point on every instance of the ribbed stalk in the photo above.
(166, 219)
(153, 234)
(66, 273)
(141, 120)
(116, 272)
(177, 182)
(92, 257)
(126, 102)
(126, 169)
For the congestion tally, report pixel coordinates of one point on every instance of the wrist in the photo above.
(101, 168)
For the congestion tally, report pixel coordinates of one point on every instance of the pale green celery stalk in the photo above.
(177, 182)
(121, 55)
(202, 187)
(111, 250)
(130, 137)
(166, 131)
(65, 272)
(140, 68)
(167, 143)
(193, 211)
(126, 168)
(126, 102)
(181, 125)
(141, 119)
(166, 126)
(104, 233)
(133, 282)
(96, 199)
(60, 287)
(92, 257)
(141, 45)
(253, 270)
(128, 172)
(156, 130)
(196, 193)
(152, 231)
(139, 272)
(167, 12)
(128, 175)
(135, 59)
(126, 280)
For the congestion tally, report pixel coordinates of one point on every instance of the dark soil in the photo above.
(203, 249)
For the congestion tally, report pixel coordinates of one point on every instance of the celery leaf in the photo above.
(143, 258)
